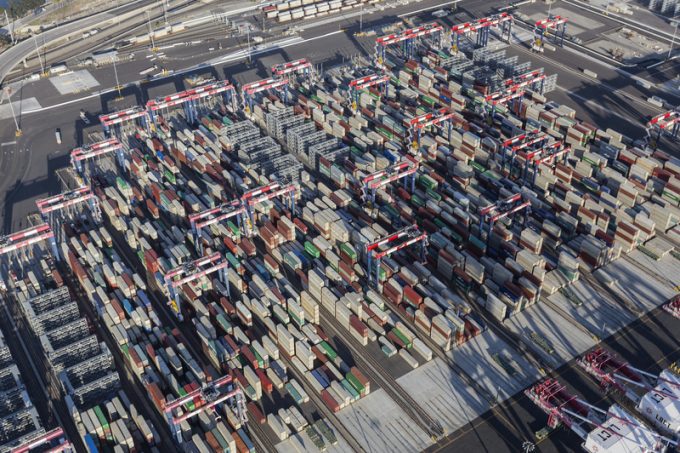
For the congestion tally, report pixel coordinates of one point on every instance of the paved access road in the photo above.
(15, 54)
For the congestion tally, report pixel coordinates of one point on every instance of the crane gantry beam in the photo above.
(381, 178)
(556, 24)
(212, 216)
(356, 86)
(249, 90)
(407, 37)
(411, 234)
(188, 99)
(117, 119)
(482, 27)
(93, 151)
(193, 270)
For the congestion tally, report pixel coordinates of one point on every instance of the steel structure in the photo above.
(189, 99)
(57, 434)
(534, 80)
(249, 90)
(191, 271)
(374, 181)
(408, 39)
(664, 123)
(489, 215)
(526, 141)
(555, 24)
(482, 27)
(204, 399)
(14, 242)
(80, 155)
(212, 216)
(546, 154)
(611, 426)
(356, 86)
(673, 307)
(117, 119)
(411, 234)
(501, 98)
(52, 208)
(302, 66)
(259, 195)
(435, 118)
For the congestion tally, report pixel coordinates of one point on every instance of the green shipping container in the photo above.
(354, 382)
(415, 200)
(403, 338)
(312, 250)
(326, 349)
(349, 251)
(234, 229)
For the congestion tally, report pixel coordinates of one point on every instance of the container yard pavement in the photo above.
(648, 343)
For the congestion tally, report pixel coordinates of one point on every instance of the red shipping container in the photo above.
(267, 385)
(256, 413)
(329, 401)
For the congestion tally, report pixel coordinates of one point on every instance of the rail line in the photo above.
(386, 381)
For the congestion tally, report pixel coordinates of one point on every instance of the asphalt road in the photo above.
(13, 56)
(649, 344)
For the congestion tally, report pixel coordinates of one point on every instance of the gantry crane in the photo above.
(212, 216)
(374, 181)
(116, 120)
(489, 215)
(249, 90)
(46, 440)
(302, 66)
(592, 424)
(191, 271)
(547, 154)
(189, 99)
(94, 150)
(555, 24)
(656, 397)
(356, 86)
(408, 39)
(21, 240)
(51, 208)
(259, 195)
(528, 140)
(411, 234)
(533, 79)
(666, 123)
(205, 398)
(501, 98)
(437, 117)
(482, 27)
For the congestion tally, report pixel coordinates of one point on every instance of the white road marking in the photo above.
(411, 13)
(14, 142)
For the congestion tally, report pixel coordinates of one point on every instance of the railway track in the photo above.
(650, 272)
(564, 314)
(379, 375)
(588, 277)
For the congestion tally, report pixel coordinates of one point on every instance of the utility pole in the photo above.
(165, 10)
(37, 49)
(361, 18)
(7, 91)
(9, 27)
(115, 73)
(148, 22)
(673, 40)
